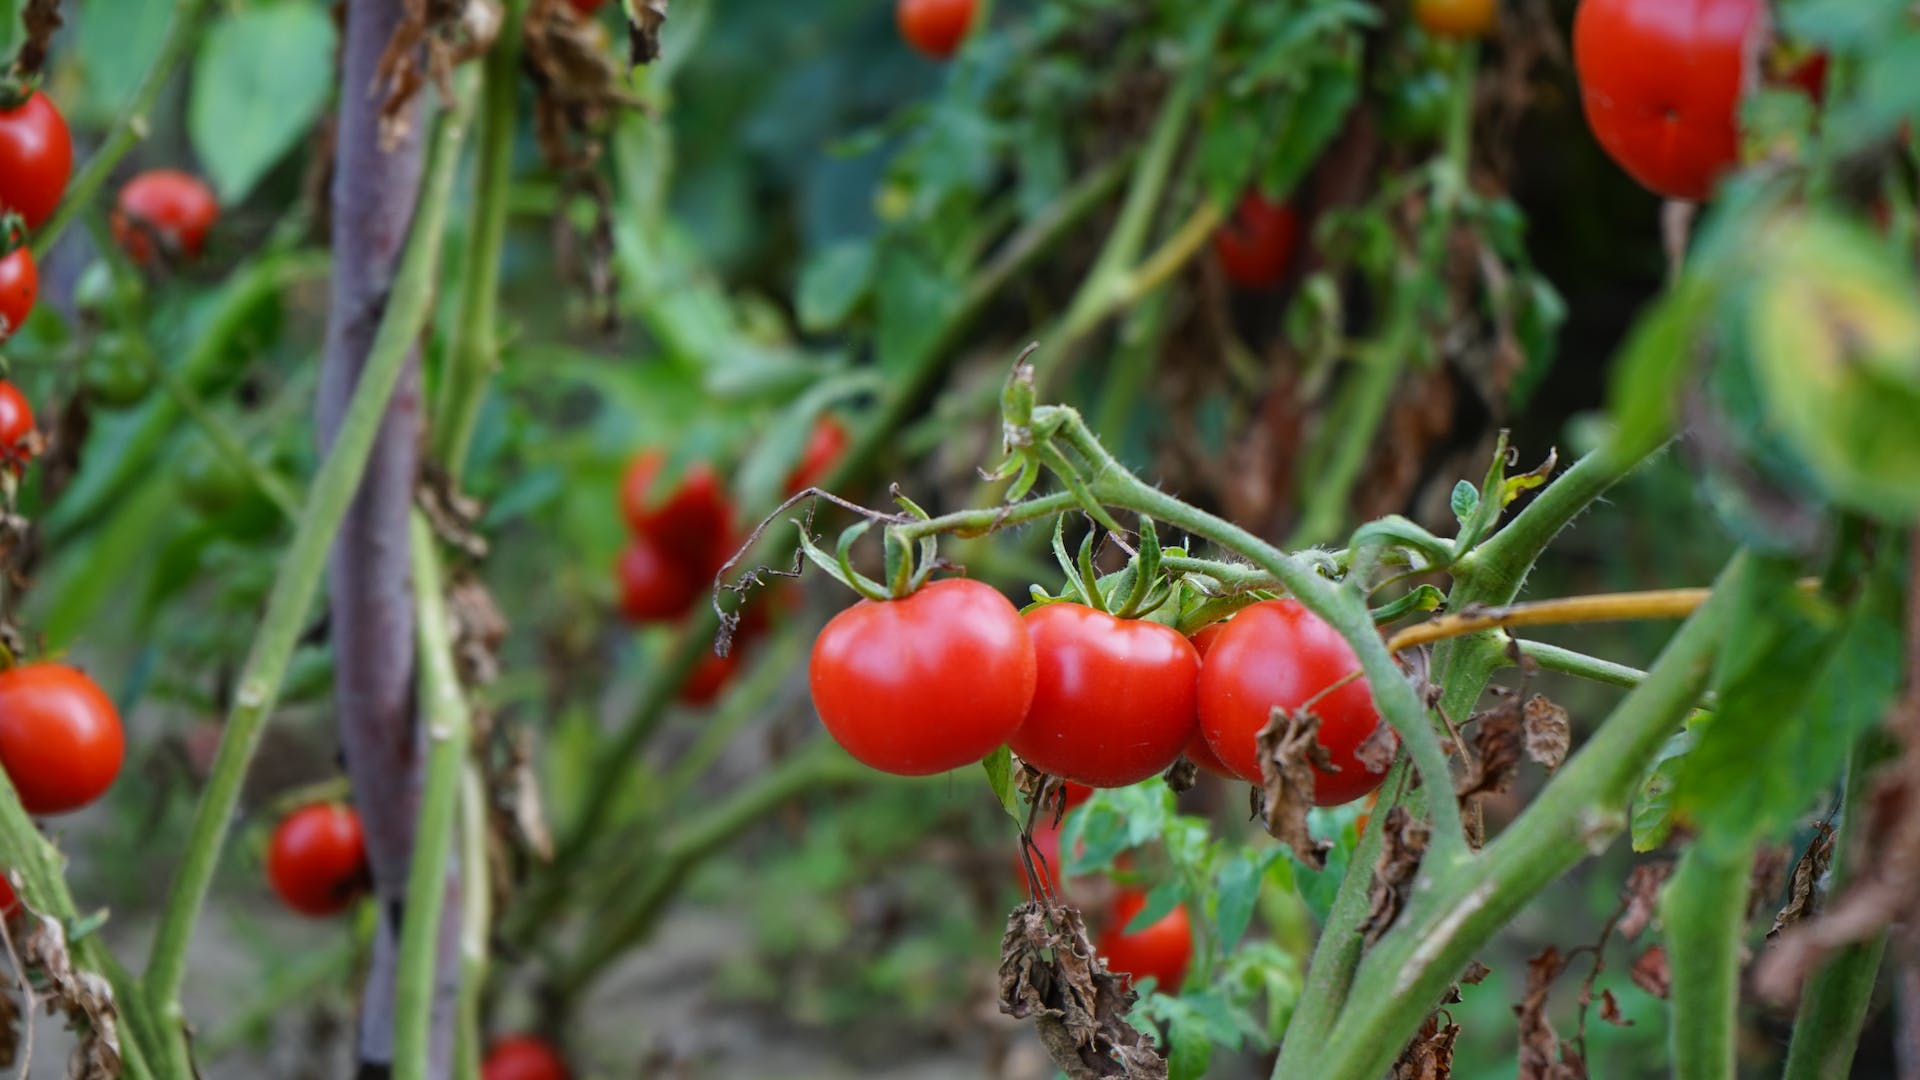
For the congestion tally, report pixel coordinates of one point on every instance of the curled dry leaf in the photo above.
(1430, 1055)
(1543, 1055)
(479, 629)
(1289, 753)
(1639, 898)
(1049, 973)
(1651, 973)
(1806, 878)
(645, 18)
(1610, 1010)
(525, 815)
(1548, 733)
(1375, 752)
(1498, 742)
(455, 517)
(1403, 842)
(579, 86)
(1475, 974)
(432, 38)
(84, 997)
(39, 19)
(1182, 775)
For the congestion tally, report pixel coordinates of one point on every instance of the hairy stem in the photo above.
(1703, 909)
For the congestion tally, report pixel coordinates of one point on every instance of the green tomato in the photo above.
(114, 373)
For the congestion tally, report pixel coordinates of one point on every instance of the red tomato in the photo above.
(19, 286)
(1113, 703)
(926, 683)
(654, 585)
(1197, 750)
(60, 737)
(710, 676)
(1160, 950)
(1076, 793)
(1046, 848)
(1277, 653)
(36, 156)
(9, 900)
(822, 452)
(1255, 247)
(1456, 18)
(166, 206)
(317, 862)
(523, 1057)
(16, 423)
(1661, 82)
(693, 522)
(935, 27)
(1807, 72)
(586, 8)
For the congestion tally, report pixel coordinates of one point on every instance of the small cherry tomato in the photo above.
(1255, 247)
(1661, 82)
(1456, 18)
(9, 900)
(16, 424)
(523, 1057)
(1160, 950)
(317, 861)
(710, 676)
(935, 27)
(822, 452)
(19, 287)
(167, 209)
(926, 683)
(654, 586)
(1278, 654)
(60, 737)
(1113, 701)
(36, 157)
(693, 521)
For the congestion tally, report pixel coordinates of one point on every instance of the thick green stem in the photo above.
(476, 921)
(294, 587)
(443, 710)
(1703, 910)
(1493, 573)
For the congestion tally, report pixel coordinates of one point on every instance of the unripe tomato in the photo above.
(19, 287)
(1159, 950)
(60, 737)
(1456, 18)
(693, 522)
(16, 424)
(1255, 247)
(935, 27)
(1113, 701)
(115, 374)
(654, 585)
(523, 1057)
(822, 452)
(1197, 750)
(926, 683)
(166, 206)
(1661, 82)
(317, 861)
(36, 156)
(710, 676)
(1279, 654)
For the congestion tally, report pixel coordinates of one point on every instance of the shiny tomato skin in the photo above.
(36, 157)
(19, 287)
(693, 521)
(824, 446)
(1075, 793)
(174, 208)
(317, 860)
(1277, 653)
(710, 676)
(523, 1057)
(654, 585)
(1198, 751)
(1456, 18)
(1255, 247)
(927, 683)
(60, 737)
(1114, 702)
(935, 27)
(1159, 950)
(1661, 83)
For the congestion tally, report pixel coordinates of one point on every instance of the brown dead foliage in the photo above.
(645, 18)
(1807, 873)
(579, 85)
(1543, 1054)
(1499, 741)
(1548, 732)
(1289, 754)
(1430, 1055)
(433, 37)
(39, 19)
(83, 997)
(1640, 897)
(1049, 973)
(1651, 973)
(1403, 842)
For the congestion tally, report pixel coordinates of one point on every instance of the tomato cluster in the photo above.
(523, 1057)
(60, 737)
(317, 860)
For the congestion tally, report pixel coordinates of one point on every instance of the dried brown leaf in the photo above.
(578, 85)
(1376, 752)
(1767, 878)
(1475, 974)
(84, 997)
(479, 629)
(1651, 973)
(1539, 1044)
(1806, 878)
(432, 38)
(525, 812)
(1182, 775)
(1289, 753)
(39, 19)
(644, 21)
(1548, 733)
(1498, 742)
(1610, 1010)
(455, 517)
(1430, 1055)
(1403, 841)
(1050, 973)
(1640, 897)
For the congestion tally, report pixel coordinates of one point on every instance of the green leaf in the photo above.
(1652, 819)
(1312, 120)
(914, 300)
(832, 285)
(1188, 1053)
(1236, 891)
(999, 766)
(1161, 900)
(1466, 499)
(116, 41)
(262, 76)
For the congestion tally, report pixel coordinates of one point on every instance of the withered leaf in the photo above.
(431, 39)
(1610, 1010)
(1651, 973)
(1289, 753)
(1539, 1044)
(1050, 973)
(479, 629)
(644, 20)
(1376, 752)
(1549, 735)
(10, 1030)
(1475, 974)
(1403, 841)
(1806, 878)
(1767, 878)
(1639, 897)
(454, 516)
(84, 997)
(1182, 775)
(526, 816)
(38, 20)
(1430, 1055)
(578, 86)
(1498, 742)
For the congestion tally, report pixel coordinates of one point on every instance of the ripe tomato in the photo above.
(926, 683)
(822, 452)
(19, 286)
(693, 522)
(935, 27)
(710, 676)
(60, 737)
(1076, 793)
(1160, 950)
(1255, 247)
(1456, 18)
(654, 585)
(166, 206)
(1277, 653)
(16, 424)
(317, 862)
(1661, 81)
(8, 899)
(523, 1057)
(1113, 703)
(586, 8)
(1197, 750)
(36, 156)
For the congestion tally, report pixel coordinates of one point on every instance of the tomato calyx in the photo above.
(909, 564)
(16, 88)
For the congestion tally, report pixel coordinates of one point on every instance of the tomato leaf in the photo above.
(1236, 890)
(261, 79)
(1161, 901)
(1652, 819)
(914, 299)
(999, 766)
(1466, 499)
(832, 285)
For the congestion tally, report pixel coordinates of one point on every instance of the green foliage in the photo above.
(262, 76)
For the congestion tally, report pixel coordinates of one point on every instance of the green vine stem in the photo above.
(131, 126)
(476, 921)
(1704, 912)
(443, 712)
(295, 584)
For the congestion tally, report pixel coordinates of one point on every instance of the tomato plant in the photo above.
(935, 27)
(523, 1057)
(317, 860)
(60, 737)
(36, 156)
(164, 213)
